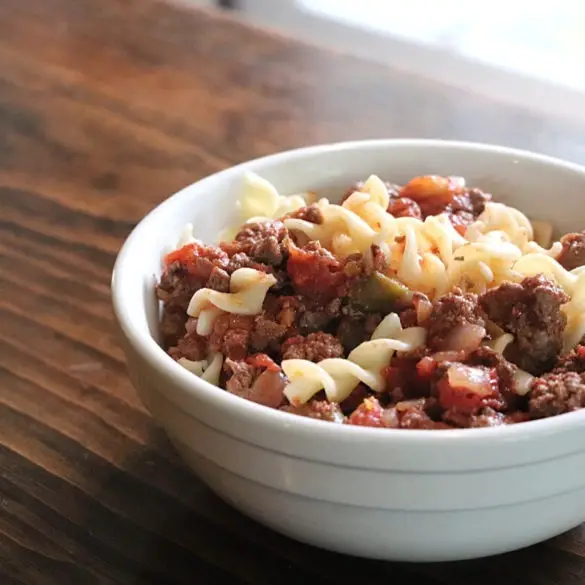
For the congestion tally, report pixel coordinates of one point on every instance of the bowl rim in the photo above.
(272, 419)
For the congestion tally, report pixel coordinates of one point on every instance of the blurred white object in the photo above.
(521, 51)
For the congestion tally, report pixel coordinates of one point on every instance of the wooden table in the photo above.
(107, 107)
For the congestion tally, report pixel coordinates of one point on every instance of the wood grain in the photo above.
(105, 109)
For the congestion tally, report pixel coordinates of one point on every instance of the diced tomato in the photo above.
(368, 414)
(467, 389)
(316, 273)
(261, 360)
(430, 189)
(183, 254)
(426, 367)
(190, 253)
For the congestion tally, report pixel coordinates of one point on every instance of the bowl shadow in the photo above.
(156, 523)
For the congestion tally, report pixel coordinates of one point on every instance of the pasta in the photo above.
(260, 201)
(523, 379)
(248, 287)
(338, 377)
(186, 236)
(528, 236)
(337, 220)
(484, 312)
(208, 370)
(482, 264)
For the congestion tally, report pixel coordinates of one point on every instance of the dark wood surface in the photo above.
(107, 107)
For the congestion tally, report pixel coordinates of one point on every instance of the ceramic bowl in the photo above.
(380, 493)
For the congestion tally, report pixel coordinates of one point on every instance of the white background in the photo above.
(528, 52)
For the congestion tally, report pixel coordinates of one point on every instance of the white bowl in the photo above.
(380, 493)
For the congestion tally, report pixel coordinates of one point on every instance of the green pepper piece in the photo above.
(377, 293)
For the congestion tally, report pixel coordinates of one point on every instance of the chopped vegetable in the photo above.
(377, 293)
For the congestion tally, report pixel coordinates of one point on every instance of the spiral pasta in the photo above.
(338, 377)
(186, 236)
(208, 370)
(260, 201)
(248, 288)
(574, 310)
(489, 261)
(417, 250)
(528, 236)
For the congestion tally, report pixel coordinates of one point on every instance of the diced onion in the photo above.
(449, 356)
(268, 389)
(423, 307)
(465, 337)
(409, 404)
(476, 380)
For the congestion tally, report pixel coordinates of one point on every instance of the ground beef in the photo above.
(380, 262)
(531, 311)
(314, 317)
(177, 285)
(191, 346)
(417, 414)
(263, 242)
(267, 333)
(187, 270)
(310, 213)
(460, 212)
(478, 200)
(314, 347)
(573, 253)
(486, 417)
(240, 376)
(241, 260)
(573, 362)
(466, 207)
(278, 320)
(318, 409)
(219, 280)
(557, 393)
(238, 335)
(249, 382)
(353, 331)
(404, 379)
(505, 370)
(449, 312)
(413, 414)
(231, 335)
(172, 326)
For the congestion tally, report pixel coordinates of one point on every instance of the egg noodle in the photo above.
(428, 256)
(338, 377)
